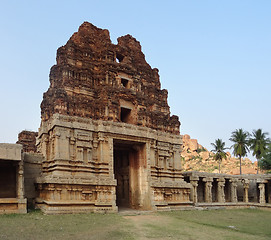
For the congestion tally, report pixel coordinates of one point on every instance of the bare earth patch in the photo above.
(142, 222)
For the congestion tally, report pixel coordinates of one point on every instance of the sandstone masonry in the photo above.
(106, 133)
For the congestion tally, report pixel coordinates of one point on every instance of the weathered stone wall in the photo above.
(32, 170)
(79, 166)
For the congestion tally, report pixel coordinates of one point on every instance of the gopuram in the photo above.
(107, 141)
(106, 133)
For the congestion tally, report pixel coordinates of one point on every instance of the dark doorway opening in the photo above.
(214, 191)
(130, 171)
(121, 171)
(124, 82)
(8, 179)
(266, 192)
(201, 191)
(125, 114)
(119, 58)
(227, 190)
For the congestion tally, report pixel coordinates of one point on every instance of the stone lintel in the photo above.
(220, 179)
(207, 179)
(233, 180)
(245, 181)
(194, 178)
(115, 128)
(10, 151)
(262, 181)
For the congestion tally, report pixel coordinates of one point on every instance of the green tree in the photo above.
(265, 161)
(219, 151)
(240, 139)
(258, 144)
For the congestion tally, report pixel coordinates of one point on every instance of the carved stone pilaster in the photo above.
(194, 192)
(246, 187)
(208, 189)
(101, 140)
(233, 189)
(220, 190)
(95, 149)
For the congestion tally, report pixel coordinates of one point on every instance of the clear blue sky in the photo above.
(214, 58)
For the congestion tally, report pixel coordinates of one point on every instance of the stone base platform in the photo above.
(13, 205)
(229, 205)
(74, 196)
(74, 207)
(174, 206)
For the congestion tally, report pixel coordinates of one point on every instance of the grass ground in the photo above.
(212, 224)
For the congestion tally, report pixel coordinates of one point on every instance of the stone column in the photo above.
(220, 190)
(194, 191)
(208, 189)
(261, 187)
(233, 182)
(20, 181)
(20, 189)
(262, 193)
(246, 187)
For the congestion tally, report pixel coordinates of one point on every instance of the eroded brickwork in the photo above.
(96, 79)
(28, 140)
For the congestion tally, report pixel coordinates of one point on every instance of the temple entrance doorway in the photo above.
(130, 171)
(121, 171)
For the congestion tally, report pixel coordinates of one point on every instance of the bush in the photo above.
(199, 150)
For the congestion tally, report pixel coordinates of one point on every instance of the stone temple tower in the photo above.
(106, 132)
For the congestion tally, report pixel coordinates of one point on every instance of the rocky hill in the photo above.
(197, 158)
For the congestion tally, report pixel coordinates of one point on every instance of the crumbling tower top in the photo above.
(96, 79)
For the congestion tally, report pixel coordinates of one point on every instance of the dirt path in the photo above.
(143, 223)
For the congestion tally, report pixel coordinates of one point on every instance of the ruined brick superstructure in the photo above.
(106, 133)
(28, 140)
(96, 79)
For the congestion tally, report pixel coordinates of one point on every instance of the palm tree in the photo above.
(258, 144)
(240, 147)
(265, 161)
(219, 151)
